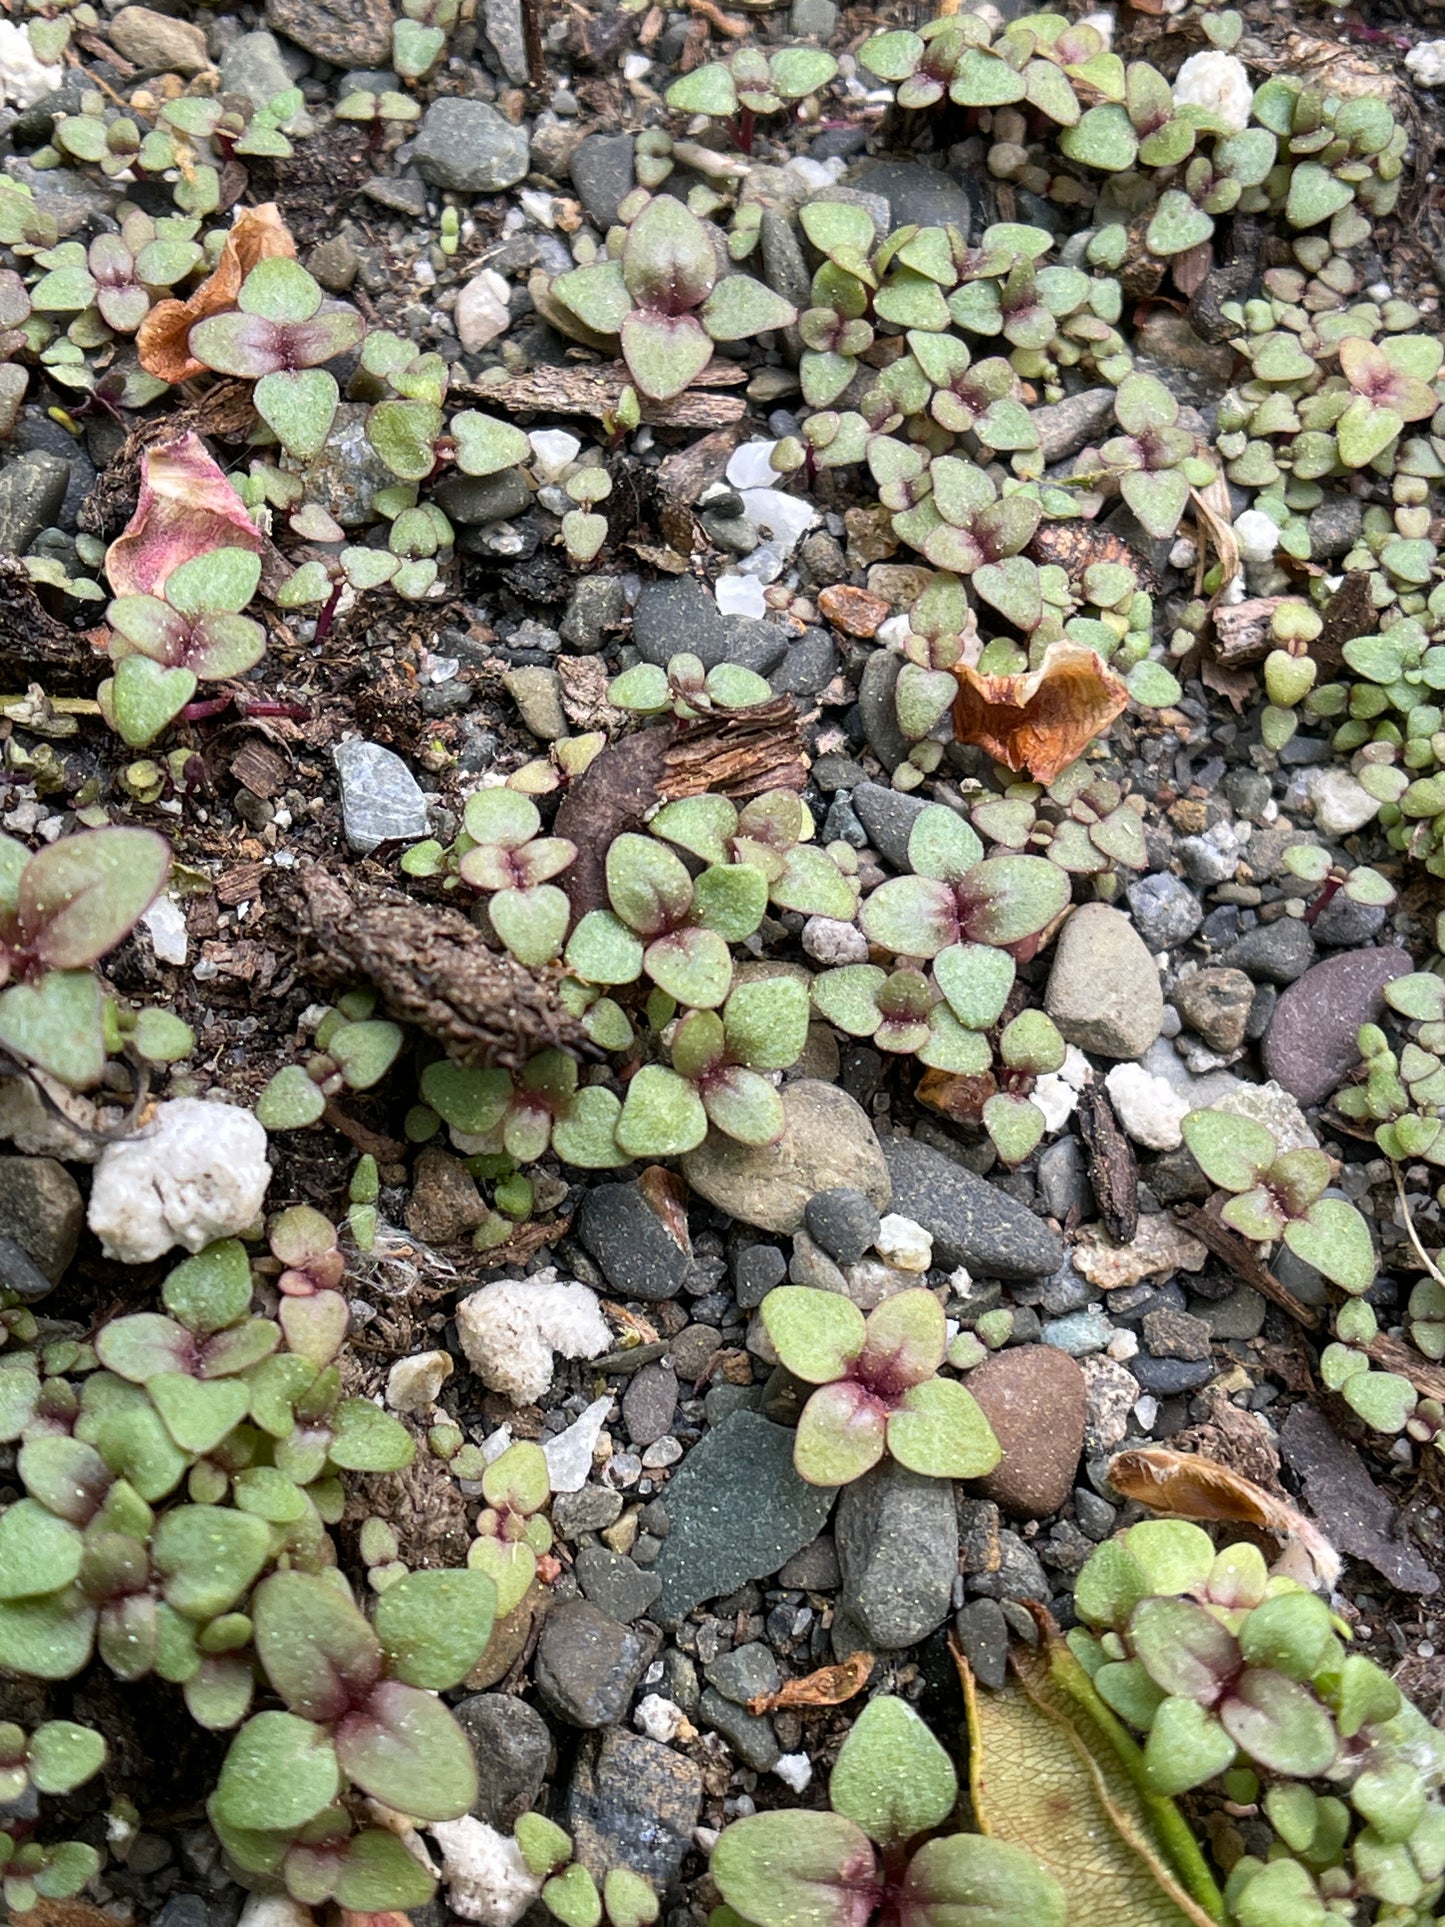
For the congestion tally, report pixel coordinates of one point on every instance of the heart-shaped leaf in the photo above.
(1335, 1239)
(145, 698)
(405, 1749)
(300, 405)
(57, 1025)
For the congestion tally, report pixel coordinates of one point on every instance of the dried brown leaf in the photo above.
(666, 1195)
(829, 1686)
(164, 336)
(1360, 1515)
(1183, 1485)
(1040, 722)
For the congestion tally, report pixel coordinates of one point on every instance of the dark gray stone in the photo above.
(1344, 924)
(470, 148)
(614, 1584)
(876, 706)
(814, 1569)
(1169, 1377)
(784, 267)
(738, 1510)
(32, 488)
(1335, 527)
(1275, 952)
(922, 194)
(678, 616)
(971, 1221)
(983, 1633)
(41, 1209)
(512, 1745)
(638, 1255)
(597, 607)
(809, 666)
(602, 173)
(588, 1664)
(843, 1222)
(1310, 1044)
(897, 1538)
(472, 501)
(649, 1404)
(592, 1509)
(888, 816)
(1166, 911)
(633, 1802)
(749, 1735)
(756, 1269)
(743, 1673)
(1064, 426)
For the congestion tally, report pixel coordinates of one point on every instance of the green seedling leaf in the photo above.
(290, 1100)
(969, 1881)
(892, 1778)
(1279, 1724)
(279, 1773)
(300, 405)
(79, 896)
(775, 1869)
(57, 1025)
(1335, 1239)
(841, 1435)
(405, 1749)
(62, 1755)
(39, 1553)
(434, 1626)
(817, 1334)
(1233, 1152)
(662, 1115)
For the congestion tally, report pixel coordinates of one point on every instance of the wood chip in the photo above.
(689, 472)
(1113, 1168)
(259, 768)
(1242, 632)
(596, 391)
(1184, 1485)
(242, 884)
(829, 1686)
(727, 23)
(666, 1196)
(432, 968)
(742, 754)
(1350, 612)
(1238, 1253)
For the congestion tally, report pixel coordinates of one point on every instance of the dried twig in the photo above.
(727, 23)
(1238, 1254)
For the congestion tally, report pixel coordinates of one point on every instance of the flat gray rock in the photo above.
(469, 147)
(897, 1537)
(737, 1511)
(1310, 1044)
(381, 800)
(971, 1221)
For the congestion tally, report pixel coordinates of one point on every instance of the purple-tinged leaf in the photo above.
(968, 1880)
(79, 896)
(1009, 898)
(668, 264)
(237, 344)
(1279, 1724)
(144, 1344)
(840, 1436)
(1184, 1649)
(797, 1870)
(279, 1773)
(315, 1327)
(905, 1343)
(317, 1650)
(817, 1334)
(404, 1748)
(664, 352)
(912, 916)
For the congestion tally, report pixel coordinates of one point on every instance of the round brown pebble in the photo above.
(1034, 1398)
(857, 612)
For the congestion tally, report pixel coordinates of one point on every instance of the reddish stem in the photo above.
(328, 614)
(743, 129)
(1323, 900)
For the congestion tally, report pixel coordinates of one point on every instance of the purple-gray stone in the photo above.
(1310, 1043)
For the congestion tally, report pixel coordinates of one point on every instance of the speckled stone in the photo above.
(1034, 1398)
(1310, 1043)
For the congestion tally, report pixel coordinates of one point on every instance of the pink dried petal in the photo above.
(186, 508)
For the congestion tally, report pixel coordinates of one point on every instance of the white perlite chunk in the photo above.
(274, 1910)
(167, 926)
(795, 1770)
(1341, 805)
(903, 1243)
(569, 1455)
(1255, 532)
(482, 311)
(197, 1172)
(486, 1877)
(659, 1718)
(1427, 63)
(23, 79)
(510, 1330)
(553, 453)
(1220, 83)
(412, 1384)
(1149, 1109)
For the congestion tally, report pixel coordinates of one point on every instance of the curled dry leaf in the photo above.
(1183, 1485)
(163, 337)
(666, 1196)
(1042, 721)
(1215, 520)
(829, 1686)
(186, 508)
